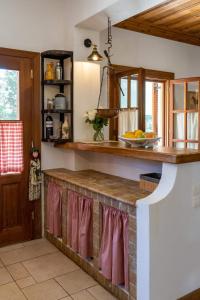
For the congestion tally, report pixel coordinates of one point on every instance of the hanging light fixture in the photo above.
(94, 56)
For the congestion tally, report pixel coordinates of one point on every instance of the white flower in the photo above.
(92, 114)
(85, 115)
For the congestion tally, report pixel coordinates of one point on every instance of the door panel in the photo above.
(15, 209)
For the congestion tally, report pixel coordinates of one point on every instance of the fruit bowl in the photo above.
(140, 142)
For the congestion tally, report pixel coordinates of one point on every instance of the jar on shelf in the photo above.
(50, 104)
(60, 101)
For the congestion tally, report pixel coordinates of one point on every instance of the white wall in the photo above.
(141, 50)
(34, 25)
(129, 168)
(168, 239)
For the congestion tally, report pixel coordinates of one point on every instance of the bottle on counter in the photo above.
(49, 127)
(58, 71)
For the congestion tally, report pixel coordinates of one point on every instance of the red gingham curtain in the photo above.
(11, 147)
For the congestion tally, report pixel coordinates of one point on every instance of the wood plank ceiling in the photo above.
(177, 20)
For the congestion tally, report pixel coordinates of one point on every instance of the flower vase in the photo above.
(98, 135)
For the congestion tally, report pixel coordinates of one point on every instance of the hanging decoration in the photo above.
(35, 175)
(107, 70)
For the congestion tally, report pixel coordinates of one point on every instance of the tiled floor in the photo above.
(36, 270)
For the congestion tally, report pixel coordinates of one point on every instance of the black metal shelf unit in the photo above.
(61, 86)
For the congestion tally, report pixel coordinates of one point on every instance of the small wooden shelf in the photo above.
(65, 58)
(57, 111)
(57, 141)
(57, 82)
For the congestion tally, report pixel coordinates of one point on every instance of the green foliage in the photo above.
(98, 122)
(8, 95)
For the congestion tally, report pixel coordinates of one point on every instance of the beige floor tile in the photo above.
(1, 264)
(11, 291)
(83, 295)
(36, 241)
(5, 277)
(11, 247)
(76, 281)
(22, 283)
(26, 253)
(18, 271)
(49, 266)
(100, 293)
(50, 290)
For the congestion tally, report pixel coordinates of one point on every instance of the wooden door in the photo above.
(184, 129)
(15, 209)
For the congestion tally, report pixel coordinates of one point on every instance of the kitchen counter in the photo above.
(162, 154)
(118, 188)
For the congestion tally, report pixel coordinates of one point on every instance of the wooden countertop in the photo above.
(124, 190)
(162, 154)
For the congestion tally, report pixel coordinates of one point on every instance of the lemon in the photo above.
(139, 134)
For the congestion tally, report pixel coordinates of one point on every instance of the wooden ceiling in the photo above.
(177, 20)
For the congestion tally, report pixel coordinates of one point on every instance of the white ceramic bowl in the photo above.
(140, 142)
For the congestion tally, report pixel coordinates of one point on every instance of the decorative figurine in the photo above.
(65, 129)
(35, 176)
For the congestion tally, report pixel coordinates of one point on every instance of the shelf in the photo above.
(66, 61)
(57, 54)
(57, 141)
(56, 111)
(57, 82)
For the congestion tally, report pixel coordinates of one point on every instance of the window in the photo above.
(9, 94)
(129, 98)
(143, 104)
(184, 113)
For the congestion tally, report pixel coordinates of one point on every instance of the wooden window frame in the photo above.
(143, 76)
(185, 111)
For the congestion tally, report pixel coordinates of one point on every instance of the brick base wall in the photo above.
(91, 267)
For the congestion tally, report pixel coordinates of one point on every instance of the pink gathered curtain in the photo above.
(79, 223)
(54, 209)
(114, 246)
(11, 147)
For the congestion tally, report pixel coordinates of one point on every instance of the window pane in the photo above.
(179, 145)
(124, 98)
(134, 93)
(179, 126)
(192, 126)
(9, 94)
(192, 145)
(179, 96)
(192, 95)
(148, 106)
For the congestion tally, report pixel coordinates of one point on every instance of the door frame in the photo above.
(35, 206)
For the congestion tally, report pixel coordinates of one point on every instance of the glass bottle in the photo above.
(58, 71)
(49, 74)
(65, 129)
(49, 127)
